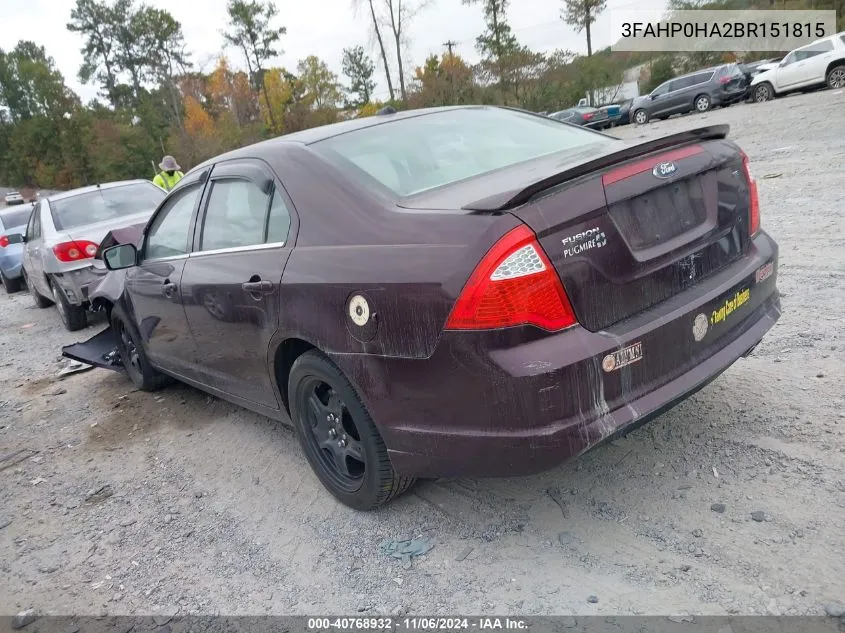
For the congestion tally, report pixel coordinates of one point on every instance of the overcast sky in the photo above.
(315, 27)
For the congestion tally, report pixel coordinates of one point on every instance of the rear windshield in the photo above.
(105, 204)
(414, 155)
(17, 217)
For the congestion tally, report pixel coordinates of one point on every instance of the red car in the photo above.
(469, 291)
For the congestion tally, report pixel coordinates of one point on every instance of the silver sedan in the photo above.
(64, 233)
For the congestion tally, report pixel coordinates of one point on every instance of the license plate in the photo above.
(661, 214)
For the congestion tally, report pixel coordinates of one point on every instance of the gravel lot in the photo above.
(122, 502)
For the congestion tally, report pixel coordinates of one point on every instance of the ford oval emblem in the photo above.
(664, 170)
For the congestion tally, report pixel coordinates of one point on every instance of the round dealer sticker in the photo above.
(608, 363)
(699, 327)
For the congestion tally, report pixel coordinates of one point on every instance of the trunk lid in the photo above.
(629, 235)
(96, 232)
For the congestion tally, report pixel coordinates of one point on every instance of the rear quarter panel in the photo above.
(410, 267)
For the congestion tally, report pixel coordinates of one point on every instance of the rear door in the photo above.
(33, 255)
(632, 236)
(231, 280)
(154, 286)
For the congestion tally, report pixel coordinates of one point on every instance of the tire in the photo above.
(73, 316)
(763, 92)
(40, 302)
(701, 103)
(11, 285)
(338, 436)
(640, 117)
(836, 77)
(142, 374)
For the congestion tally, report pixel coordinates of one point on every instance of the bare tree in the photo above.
(399, 13)
(377, 32)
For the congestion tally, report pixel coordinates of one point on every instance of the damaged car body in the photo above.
(469, 291)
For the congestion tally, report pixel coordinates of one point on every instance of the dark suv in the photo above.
(698, 91)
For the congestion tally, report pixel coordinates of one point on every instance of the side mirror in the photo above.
(120, 256)
(16, 238)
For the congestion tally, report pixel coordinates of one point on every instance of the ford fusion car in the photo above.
(469, 291)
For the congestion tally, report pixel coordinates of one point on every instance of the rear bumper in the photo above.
(726, 98)
(11, 265)
(77, 284)
(494, 404)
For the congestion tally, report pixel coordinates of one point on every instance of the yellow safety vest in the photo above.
(167, 182)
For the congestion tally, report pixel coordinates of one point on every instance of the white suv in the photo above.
(817, 64)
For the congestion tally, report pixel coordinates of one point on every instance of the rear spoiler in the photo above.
(506, 200)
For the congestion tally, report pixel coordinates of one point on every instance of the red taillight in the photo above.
(754, 216)
(724, 80)
(587, 116)
(75, 250)
(4, 241)
(514, 284)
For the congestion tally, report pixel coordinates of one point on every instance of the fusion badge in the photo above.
(699, 327)
(584, 241)
(622, 357)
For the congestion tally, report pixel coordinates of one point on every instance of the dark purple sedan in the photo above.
(471, 291)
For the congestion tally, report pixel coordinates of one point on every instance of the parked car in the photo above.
(624, 112)
(815, 65)
(694, 92)
(488, 309)
(13, 197)
(581, 115)
(63, 235)
(12, 221)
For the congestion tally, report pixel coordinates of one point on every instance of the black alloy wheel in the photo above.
(338, 436)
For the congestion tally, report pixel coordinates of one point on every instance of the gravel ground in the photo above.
(122, 502)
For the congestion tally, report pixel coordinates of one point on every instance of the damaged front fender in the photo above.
(109, 291)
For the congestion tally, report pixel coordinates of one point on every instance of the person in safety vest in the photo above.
(169, 174)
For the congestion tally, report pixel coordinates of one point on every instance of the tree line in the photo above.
(153, 101)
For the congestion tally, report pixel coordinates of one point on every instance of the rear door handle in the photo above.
(257, 287)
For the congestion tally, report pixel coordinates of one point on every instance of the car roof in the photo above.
(323, 132)
(91, 188)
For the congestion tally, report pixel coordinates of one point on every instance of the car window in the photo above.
(36, 223)
(788, 59)
(842, 37)
(680, 83)
(278, 224)
(105, 204)
(15, 217)
(30, 226)
(662, 89)
(418, 153)
(812, 50)
(236, 215)
(168, 233)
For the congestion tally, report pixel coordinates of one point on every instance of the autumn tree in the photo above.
(250, 30)
(581, 14)
(320, 84)
(359, 69)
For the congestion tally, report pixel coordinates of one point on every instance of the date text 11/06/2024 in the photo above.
(416, 624)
